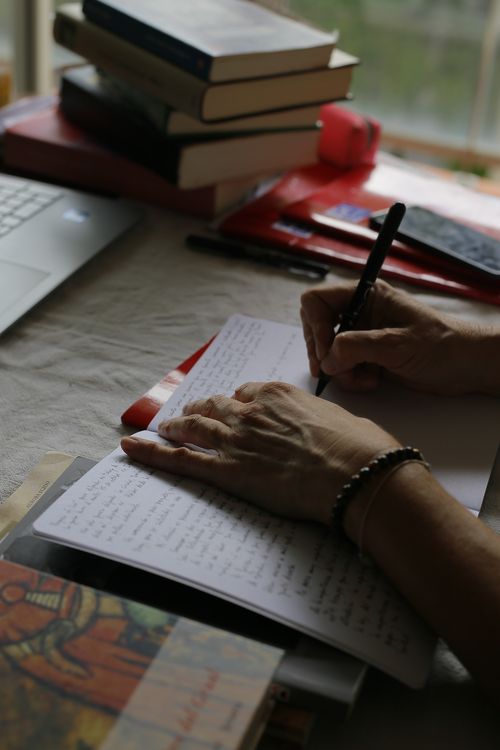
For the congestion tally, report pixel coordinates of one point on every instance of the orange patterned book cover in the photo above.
(81, 669)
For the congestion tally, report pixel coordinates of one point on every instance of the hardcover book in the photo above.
(186, 92)
(185, 162)
(216, 40)
(83, 668)
(81, 82)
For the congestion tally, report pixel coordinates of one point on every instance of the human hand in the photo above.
(396, 335)
(277, 446)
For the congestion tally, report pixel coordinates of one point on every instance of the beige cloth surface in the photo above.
(71, 367)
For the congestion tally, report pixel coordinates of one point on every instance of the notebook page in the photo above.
(291, 571)
(458, 436)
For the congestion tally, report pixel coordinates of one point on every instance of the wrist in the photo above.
(477, 354)
(397, 488)
(357, 496)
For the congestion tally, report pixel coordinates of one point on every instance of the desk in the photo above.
(69, 369)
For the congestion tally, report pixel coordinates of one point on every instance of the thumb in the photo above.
(386, 347)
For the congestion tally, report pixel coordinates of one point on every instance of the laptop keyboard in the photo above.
(22, 199)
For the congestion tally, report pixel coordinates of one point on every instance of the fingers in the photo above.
(203, 466)
(320, 312)
(387, 348)
(361, 379)
(314, 363)
(319, 319)
(248, 392)
(218, 407)
(197, 430)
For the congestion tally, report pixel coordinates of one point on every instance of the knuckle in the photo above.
(241, 389)
(213, 404)
(181, 455)
(276, 388)
(192, 421)
(251, 414)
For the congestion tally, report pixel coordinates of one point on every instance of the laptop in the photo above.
(47, 232)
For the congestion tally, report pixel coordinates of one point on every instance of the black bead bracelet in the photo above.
(357, 481)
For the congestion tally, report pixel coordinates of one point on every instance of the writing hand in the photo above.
(399, 337)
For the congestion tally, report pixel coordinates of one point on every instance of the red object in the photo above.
(347, 139)
(47, 145)
(141, 412)
(267, 221)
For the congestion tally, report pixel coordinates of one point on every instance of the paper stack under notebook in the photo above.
(199, 93)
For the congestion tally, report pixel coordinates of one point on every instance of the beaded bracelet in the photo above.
(387, 460)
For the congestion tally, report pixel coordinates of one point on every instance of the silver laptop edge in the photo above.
(47, 233)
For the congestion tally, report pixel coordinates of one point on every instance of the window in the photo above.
(430, 71)
(6, 50)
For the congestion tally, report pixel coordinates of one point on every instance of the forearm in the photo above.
(442, 559)
(481, 354)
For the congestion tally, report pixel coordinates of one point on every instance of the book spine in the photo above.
(89, 108)
(149, 38)
(157, 113)
(157, 78)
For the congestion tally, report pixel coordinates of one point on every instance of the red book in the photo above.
(47, 145)
(289, 217)
(351, 197)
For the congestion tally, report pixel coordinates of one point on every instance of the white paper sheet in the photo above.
(293, 572)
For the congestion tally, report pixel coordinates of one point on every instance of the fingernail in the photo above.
(129, 441)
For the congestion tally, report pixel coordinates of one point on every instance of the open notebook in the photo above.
(293, 572)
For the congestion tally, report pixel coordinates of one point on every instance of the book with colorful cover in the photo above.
(310, 675)
(46, 145)
(281, 218)
(216, 40)
(83, 668)
(186, 92)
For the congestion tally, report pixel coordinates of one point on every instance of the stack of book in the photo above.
(205, 96)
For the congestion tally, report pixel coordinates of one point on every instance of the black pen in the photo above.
(368, 277)
(269, 256)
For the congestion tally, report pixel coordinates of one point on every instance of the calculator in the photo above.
(437, 234)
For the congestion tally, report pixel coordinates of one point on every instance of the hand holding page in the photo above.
(293, 572)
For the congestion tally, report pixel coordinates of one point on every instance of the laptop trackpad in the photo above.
(17, 281)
